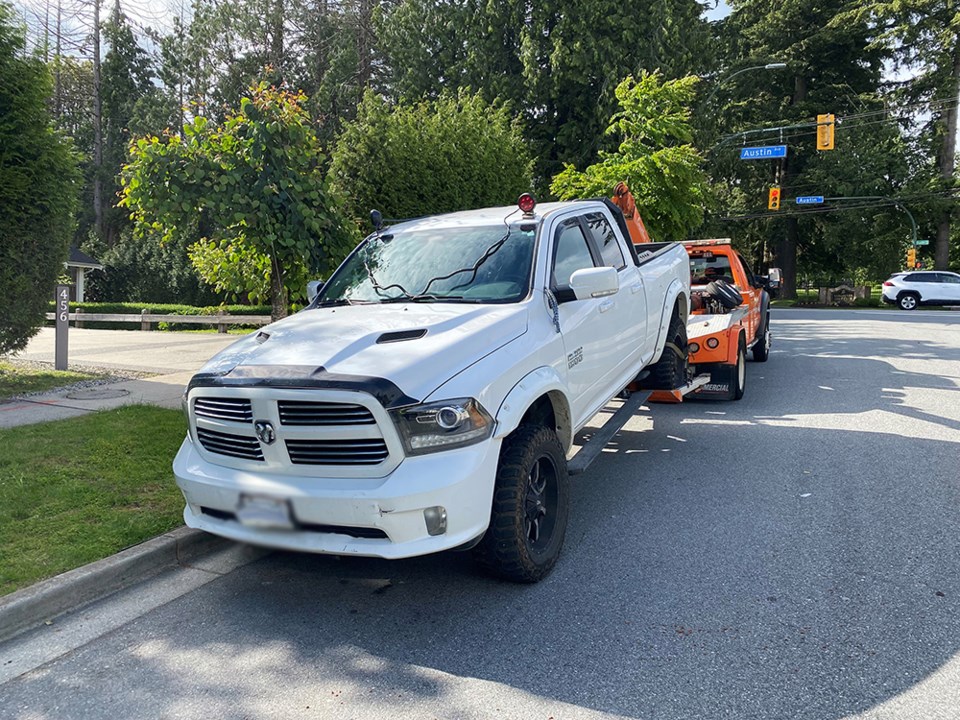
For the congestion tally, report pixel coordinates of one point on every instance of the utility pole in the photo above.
(947, 162)
(58, 83)
(97, 125)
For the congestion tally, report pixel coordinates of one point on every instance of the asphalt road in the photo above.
(792, 555)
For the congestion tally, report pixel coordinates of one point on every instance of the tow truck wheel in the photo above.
(761, 350)
(740, 376)
(531, 501)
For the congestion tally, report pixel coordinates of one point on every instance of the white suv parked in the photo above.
(926, 287)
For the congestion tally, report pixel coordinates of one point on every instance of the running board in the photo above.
(676, 396)
(604, 434)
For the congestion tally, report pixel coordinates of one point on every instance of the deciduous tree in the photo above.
(655, 157)
(257, 183)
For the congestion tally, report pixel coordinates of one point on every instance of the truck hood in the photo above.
(415, 347)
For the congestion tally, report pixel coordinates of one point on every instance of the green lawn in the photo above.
(16, 380)
(78, 490)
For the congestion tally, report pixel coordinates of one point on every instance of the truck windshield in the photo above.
(707, 268)
(449, 264)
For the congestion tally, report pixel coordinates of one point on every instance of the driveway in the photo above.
(143, 351)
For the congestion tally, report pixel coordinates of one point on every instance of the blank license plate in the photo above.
(264, 513)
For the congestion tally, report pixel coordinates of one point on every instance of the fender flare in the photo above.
(764, 313)
(674, 292)
(543, 381)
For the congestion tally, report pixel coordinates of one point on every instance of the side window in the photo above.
(948, 278)
(606, 240)
(572, 253)
(922, 278)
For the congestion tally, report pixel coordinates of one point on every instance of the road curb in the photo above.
(71, 590)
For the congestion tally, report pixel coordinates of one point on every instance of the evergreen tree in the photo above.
(38, 176)
(126, 79)
(923, 40)
(557, 61)
(832, 68)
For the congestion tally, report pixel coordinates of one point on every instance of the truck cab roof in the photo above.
(493, 216)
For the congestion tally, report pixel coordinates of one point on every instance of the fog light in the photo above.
(712, 343)
(436, 519)
(693, 347)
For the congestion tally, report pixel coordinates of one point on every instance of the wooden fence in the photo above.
(147, 319)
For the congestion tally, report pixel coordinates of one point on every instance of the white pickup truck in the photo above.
(428, 397)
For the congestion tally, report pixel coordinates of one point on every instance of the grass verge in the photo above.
(16, 380)
(74, 491)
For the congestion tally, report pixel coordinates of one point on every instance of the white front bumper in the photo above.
(461, 481)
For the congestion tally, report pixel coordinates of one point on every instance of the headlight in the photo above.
(442, 425)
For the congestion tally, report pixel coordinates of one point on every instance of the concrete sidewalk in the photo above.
(174, 356)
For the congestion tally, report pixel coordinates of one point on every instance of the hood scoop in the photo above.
(401, 336)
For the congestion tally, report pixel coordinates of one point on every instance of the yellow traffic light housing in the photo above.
(773, 199)
(912, 258)
(825, 127)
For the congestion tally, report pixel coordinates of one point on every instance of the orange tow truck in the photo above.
(729, 313)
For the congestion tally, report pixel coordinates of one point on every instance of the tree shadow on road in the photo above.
(792, 555)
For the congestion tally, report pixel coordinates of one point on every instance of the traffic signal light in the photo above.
(773, 199)
(825, 132)
(912, 258)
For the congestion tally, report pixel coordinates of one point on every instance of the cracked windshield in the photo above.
(447, 264)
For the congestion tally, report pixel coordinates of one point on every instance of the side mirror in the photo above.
(594, 282)
(313, 289)
(773, 278)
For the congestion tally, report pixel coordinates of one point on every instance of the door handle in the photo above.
(636, 288)
(606, 305)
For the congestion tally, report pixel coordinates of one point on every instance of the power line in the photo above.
(890, 202)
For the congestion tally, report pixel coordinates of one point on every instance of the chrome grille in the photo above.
(222, 408)
(299, 412)
(239, 446)
(337, 452)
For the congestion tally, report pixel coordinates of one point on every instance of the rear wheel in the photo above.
(670, 371)
(740, 374)
(531, 502)
(908, 301)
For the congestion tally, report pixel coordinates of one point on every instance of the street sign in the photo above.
(810, 200)
(923, 242)
(763, 153)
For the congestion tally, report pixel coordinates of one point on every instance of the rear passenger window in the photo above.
(606, 240)
(921, 277)
(572, 253)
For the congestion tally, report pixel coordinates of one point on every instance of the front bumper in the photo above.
(461, 481)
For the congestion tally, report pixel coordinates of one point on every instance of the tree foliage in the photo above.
(38, 175)
(655, 157)
(831, 68)
(556, 61)
(257, 183)
(407, 160)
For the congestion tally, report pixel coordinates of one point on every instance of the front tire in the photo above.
(908, 301)
(531, 504)
(761, 350)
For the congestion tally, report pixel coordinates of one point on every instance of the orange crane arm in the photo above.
(623, 199)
